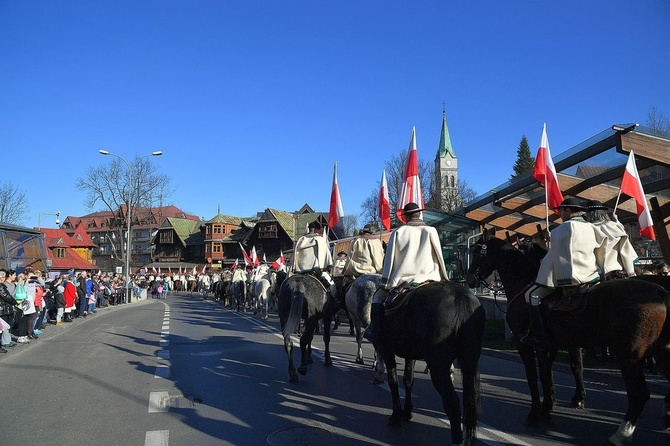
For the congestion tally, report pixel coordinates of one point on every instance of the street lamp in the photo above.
(39, 219)
(105, 152)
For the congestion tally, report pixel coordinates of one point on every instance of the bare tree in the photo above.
(120, 187)
(658, 122)
(349, 222)
(452, 200)
(395, 177)
(13, 204)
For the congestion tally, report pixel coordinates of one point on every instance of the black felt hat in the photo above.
(572, 203)
(411, 208)
(594, 205)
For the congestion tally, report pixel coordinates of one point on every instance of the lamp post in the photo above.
(128, 205)
(39, 219)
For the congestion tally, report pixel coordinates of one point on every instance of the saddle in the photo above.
(568, 299)
(398, 296)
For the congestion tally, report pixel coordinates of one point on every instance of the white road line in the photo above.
(164, 342)
(159, 401)
(157, 438)
(165, 327)
(163, 354)
(162, 371)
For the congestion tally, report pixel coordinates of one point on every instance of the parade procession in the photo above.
(339, 224)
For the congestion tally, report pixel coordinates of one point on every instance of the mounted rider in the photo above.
(576, 258)
(413, 256)
(312, 256)
(619, 252)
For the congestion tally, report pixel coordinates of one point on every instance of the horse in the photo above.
(238, 289)
(631, 317)
(203, 285)
(261, 285)
(359, 302)
(439, 322)
(303, 296)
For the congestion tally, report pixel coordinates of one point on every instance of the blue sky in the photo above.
(253, 101)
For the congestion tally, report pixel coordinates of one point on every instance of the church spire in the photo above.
(445, 140)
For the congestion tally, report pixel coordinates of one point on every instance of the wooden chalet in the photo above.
(69, 253)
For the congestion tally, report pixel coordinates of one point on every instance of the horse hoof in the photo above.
(293, 377)
(302, 370)
(310, 360)
(531, 420)
(577, 404)
(359, 361)
(377, 380)
(395, 420)
(328, 362)
(407, 416)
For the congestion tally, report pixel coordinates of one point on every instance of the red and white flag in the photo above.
(169, 271)
(545, 172)
(194, 272)
(264, 259)
(632, 186)
(254, 257)
(247, 259)
(159, 270)
(411, 188)
(179, 273)
(153, 269)
(203, 268)
(280, 262)
(234, 265)
(384, 204)
(336, 211)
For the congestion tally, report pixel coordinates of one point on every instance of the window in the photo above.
(216, 247)
(268, 231)
(60, 253)
(217, 229)
(166, 237)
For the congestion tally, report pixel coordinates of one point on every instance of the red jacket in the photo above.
(70, 294)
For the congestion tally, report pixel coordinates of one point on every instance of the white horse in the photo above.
(262, 280)
(204, 282)
(238, 289)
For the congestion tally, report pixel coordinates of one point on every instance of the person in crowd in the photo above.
(413, 256)
(25, 309)
(60, 303)
(619, 252)
(82, 296)
(312, 256)
(662, 269)
(7, 305)
(70, 296)
(576, 258)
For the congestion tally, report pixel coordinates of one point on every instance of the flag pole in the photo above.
(546, 210)
(616, 205)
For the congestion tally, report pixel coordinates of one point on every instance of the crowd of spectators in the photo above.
(30, 301)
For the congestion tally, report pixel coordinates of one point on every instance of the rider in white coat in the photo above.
(313, 256)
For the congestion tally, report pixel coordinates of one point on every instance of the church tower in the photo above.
(446, 172)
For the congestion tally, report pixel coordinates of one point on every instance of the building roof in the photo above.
(58, 238)
(445, 140)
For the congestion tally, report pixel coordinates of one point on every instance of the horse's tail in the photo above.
(295, 310)
(472, 322)
(664, 338)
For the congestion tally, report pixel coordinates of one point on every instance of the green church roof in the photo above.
(445, 140)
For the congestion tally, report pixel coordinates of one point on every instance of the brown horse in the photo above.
(629, 316)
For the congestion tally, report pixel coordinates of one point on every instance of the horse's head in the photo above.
(483, 257)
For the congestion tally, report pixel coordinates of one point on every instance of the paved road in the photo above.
(184, 371)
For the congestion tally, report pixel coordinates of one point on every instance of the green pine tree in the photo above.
(524, 160)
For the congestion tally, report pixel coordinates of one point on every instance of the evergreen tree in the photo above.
(524, 160)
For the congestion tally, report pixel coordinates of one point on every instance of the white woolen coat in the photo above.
(413, 254)
(577, 255)
(366, 256)
(312, 252)
(619, 252)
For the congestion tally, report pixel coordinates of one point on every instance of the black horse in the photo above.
(439, 323)
(303, 296)
(631, 317)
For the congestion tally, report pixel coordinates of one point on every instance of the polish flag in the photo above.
(545, 172)
(234, 267)
(159, 270)
(203, 269)
(384, 204)
(247, 259)
(254, 257)
(411, 188)
(194, 272)
(153, 269)
(179, 273)
(336, 211)
(280, 262)
(170, 271)
(264, 259)
(632, 186)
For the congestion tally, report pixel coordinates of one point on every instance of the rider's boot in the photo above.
(536, 336)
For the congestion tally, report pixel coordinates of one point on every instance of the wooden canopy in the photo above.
(591, 170)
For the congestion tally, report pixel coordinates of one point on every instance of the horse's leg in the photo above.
(638, 394)
(577, 367)
(288, 346)
(306, 344)
(326, 340)
(408, 382)
(662, 356)
(392, 372)
(545, 361)
(440, 376)
(359, 342)
(378, 367)
(527, 355)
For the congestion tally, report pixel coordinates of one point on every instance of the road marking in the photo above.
(162, 371)
(157, 438)
(159, 401)
(165, 327)
(163, 354)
